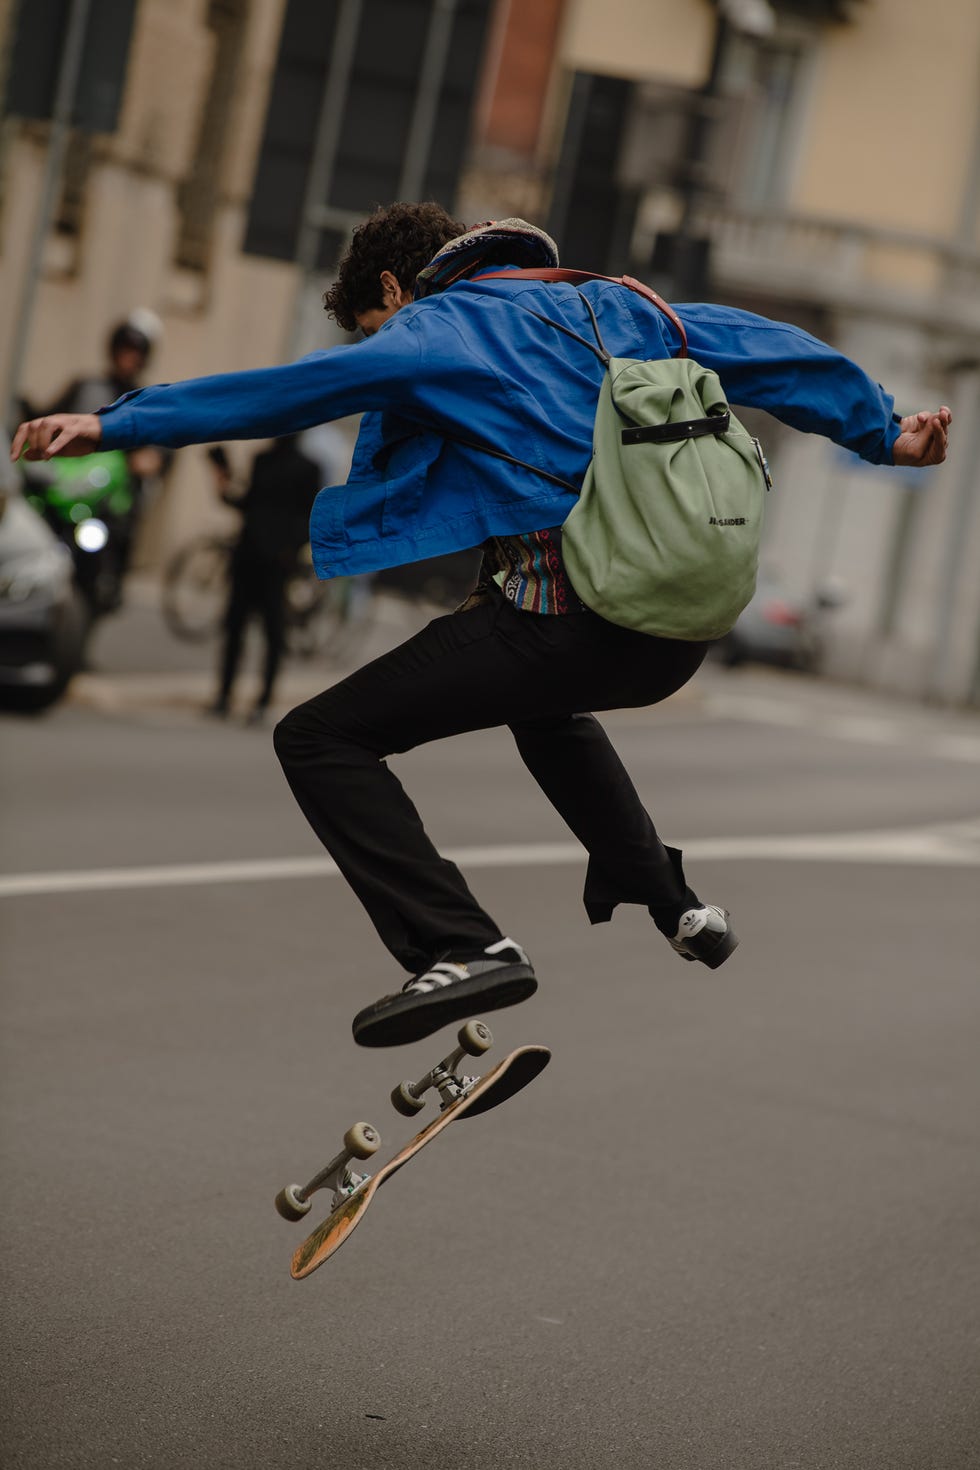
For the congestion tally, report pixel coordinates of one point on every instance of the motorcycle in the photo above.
(89, 504)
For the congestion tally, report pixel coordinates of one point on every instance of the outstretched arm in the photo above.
(260, 403)
(810, 385)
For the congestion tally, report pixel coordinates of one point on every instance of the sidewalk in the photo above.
(138, 667)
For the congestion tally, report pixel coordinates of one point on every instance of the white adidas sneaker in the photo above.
(705, 934)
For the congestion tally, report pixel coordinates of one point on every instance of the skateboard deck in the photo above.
(502, 1081)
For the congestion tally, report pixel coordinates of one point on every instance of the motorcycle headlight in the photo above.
(91, 534)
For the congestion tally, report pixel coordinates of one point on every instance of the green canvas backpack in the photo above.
(664, 537)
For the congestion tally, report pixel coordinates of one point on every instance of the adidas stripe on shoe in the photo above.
(454, 988)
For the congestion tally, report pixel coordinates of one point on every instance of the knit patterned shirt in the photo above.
(529, 571)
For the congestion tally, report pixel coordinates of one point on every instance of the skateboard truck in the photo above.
(462, 1097)
(408, 1097)
(360, 1142)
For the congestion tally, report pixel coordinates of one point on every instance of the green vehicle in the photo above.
(89, 503)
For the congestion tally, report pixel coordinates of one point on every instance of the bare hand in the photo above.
(924, 438)
(59, 433)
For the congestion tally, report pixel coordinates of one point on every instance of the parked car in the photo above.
(777, 628)
(43, 617)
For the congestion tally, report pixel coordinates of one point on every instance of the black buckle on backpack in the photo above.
(715, 423)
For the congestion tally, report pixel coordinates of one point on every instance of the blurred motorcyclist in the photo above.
(128, 350)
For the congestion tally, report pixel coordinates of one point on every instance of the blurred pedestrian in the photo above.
(275, 510)
(450, 355)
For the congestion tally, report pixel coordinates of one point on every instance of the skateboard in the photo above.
(460, 1097)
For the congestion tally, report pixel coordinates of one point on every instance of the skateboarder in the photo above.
(445, 355)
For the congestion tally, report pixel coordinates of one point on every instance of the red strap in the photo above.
(576, 278)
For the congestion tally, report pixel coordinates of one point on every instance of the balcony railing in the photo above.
(842, 264)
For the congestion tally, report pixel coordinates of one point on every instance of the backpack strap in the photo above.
(577, 278)
(598, 347)
(675, 431)
(511, 459)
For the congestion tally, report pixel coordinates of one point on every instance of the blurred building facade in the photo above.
(816, 160)
(152, 216)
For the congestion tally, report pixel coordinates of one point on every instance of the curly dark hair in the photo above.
(401, 238)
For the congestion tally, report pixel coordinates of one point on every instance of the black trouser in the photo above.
(472, 670)
(258, 585)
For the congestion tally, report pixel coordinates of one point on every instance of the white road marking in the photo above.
(954, 844)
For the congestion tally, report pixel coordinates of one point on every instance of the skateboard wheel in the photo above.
(362, 1140)
(404, 1101)
(475, 1038)
(289, 1205)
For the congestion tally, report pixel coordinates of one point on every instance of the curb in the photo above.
(190, 692)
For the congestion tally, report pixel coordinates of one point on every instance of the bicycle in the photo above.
(321, 617)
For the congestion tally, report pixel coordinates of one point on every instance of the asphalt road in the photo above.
(734, 1226)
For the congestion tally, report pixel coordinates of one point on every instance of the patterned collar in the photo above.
(498, 242)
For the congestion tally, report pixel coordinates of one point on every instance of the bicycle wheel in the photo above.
(195, 589)
(316, 613)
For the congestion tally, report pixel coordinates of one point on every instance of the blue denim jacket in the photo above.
(473, 362)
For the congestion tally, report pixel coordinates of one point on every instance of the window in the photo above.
(70, 214)
(382, 96)
(769, 76)
(199, 194)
